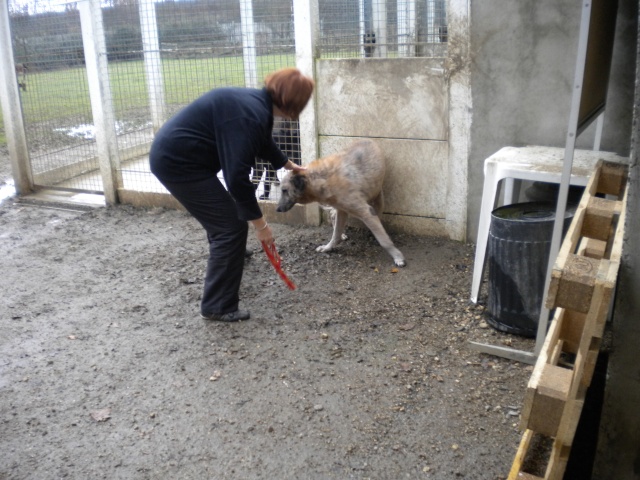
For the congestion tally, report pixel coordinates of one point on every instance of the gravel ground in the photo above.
(107, 371)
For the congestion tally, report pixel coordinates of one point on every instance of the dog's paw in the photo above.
(324, 248)
(400, 262)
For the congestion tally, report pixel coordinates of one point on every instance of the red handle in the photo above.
(276, 261)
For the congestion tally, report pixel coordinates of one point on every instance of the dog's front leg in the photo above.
(373, 223)
(339, 224)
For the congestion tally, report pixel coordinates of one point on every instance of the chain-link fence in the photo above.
(383, 28)
(201, 44)
(180, 49)
(54, 94)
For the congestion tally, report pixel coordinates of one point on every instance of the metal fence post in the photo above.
(95, 54)
(152, 61)
(248, 44)
(12, 109)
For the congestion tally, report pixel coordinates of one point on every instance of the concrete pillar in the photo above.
(307, 25)
(12, 109)
(460, 112)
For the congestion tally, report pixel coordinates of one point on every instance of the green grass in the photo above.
(62, 96)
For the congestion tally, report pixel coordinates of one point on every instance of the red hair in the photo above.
(290, 90)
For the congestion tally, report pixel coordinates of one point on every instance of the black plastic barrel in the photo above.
(518, 252)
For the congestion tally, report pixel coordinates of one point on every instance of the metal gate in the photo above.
(97, 78)
(151, 58)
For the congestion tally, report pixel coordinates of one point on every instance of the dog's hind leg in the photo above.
(378, 204)
(372, 221)
(339, 224)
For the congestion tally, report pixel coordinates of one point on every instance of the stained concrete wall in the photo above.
(522, 66)
(618, 456)
(403, 105)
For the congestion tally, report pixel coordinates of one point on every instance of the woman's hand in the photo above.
(294, 167)
(263, 231)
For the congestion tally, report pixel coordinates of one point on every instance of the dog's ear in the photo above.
(299, 182)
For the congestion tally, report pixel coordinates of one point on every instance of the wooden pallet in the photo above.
(581, 292)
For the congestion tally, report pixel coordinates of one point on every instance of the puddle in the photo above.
(87, 131)
(7, 190)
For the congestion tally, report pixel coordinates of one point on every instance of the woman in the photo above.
(226, 129)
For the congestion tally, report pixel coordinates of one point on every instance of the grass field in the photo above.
(57, 96)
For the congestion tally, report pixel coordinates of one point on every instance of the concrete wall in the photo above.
(618, 456)
(522, 66)
(403, 104)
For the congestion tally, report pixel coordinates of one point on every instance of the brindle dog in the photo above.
(350, 182)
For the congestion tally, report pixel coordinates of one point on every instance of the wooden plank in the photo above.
(527, 476)
(581, 290)
(558, 461)
(556, 352)
(574, 284)
(592, 248)
(599, 217)
(592, 185)
(583, 370)
(521, 454)
(571, 238)
(613, 178)
(590, 360)
(548, 400)
(544, 357)
(616, 247)
(571, 418)
(571, 330)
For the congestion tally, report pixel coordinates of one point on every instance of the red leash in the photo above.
(276, 261)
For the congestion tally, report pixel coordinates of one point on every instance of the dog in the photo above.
(351, 183)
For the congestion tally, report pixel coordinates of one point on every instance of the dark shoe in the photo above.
(227, 317)
(264, 196)
(248, 253)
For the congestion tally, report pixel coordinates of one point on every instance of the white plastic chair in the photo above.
(513, 165)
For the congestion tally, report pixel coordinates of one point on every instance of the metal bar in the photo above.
(248, 43)
(561, 205)
(599, 127)
(95, 49)
(12, 109)
(504, 352)
(152, 61)
(572, 133)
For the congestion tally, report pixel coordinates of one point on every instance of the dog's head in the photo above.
(293, 187)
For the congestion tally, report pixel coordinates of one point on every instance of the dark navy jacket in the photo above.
(225, 129)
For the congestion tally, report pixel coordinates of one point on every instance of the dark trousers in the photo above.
(210, 203)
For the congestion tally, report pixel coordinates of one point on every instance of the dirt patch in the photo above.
(107, 371)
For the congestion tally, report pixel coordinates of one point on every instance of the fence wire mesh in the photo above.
(201, 44)
(382, 28)
(55, 96)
